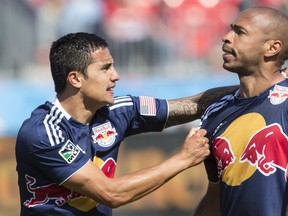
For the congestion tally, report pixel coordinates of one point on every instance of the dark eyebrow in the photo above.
(106, 66)
(237, 27)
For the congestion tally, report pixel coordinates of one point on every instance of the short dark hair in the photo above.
(72, 52)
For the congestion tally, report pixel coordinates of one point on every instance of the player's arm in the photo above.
(90, 180)
(183, 110)
(210, 203)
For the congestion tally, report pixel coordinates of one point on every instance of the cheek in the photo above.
(251, 55)
(99, 87)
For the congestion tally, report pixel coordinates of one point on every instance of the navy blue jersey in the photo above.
(249, 145)
(51, 146)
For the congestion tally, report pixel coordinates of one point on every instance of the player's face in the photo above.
(97, 88)
(243, 44)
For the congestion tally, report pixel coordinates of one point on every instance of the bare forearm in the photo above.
(128, 188)
(91, 181)
(134, 186)
(183, 110)
(139, 184)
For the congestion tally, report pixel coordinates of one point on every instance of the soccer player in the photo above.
(248, 128)
(67, 150)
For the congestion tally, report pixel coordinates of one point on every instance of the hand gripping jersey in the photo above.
(51, 146)
(249, 146)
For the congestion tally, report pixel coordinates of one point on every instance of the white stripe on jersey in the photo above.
(124, 96)
(218, 105)
(51, 124)
(121, 101)
(47, 129)
(120, 105)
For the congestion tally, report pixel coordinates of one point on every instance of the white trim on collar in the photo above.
(57, 103)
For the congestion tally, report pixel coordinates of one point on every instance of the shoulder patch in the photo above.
(147, 106)
(69, 151)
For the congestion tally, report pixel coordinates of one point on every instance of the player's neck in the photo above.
(251, 86)
(77, 108)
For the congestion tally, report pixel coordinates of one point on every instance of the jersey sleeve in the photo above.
(140, 114)
(58, 162)
(61, 161)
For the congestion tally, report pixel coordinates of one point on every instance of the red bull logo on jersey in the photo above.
(278, 95)
(43, 194)
(247, 146)
(109, 167)
(61, 195)
(223, 154)
(104, 134)
(267, 150)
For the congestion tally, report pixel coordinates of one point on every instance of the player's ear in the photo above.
(74, 78)
(272, 47)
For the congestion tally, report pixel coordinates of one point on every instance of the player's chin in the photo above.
(110, 100)
(228, 66)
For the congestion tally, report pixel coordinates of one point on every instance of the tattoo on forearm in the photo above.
(187, 109)
(181, 111)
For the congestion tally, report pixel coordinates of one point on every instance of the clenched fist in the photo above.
(195, 147)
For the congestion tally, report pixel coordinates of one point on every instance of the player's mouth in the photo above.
(110, 89)
(228, 53)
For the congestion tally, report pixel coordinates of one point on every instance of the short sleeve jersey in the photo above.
(249, 145)
(51, 146)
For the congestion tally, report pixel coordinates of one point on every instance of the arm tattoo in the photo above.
(183, 110)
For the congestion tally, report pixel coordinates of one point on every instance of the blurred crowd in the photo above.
(141, 33)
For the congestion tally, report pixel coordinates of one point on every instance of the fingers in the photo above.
(196, 130)
(192, 131)
(196, 146)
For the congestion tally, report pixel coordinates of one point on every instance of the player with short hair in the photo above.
(247, 128)
(67, 150)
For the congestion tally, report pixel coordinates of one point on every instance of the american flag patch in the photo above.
(147, 106)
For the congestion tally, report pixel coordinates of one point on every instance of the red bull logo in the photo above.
(248, 146)
(61, 195)
(278, 95)
(109, 167)
(104, 134)
(43, 194)
(223, 154)
(267, 150)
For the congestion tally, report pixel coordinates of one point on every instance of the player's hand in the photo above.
(195, 148)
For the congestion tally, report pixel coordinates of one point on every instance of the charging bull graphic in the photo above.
(223, 153)
(267, 150)
(43, 194)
